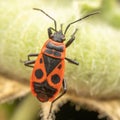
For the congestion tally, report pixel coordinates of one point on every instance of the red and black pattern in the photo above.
(48, 70)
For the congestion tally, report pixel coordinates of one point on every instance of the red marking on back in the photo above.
(57, 70)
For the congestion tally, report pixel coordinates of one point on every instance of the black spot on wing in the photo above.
(38, 73)
(60, 66)
(55, 79)
(41, 60)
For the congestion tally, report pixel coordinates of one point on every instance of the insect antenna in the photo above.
(61, 27)
(55, 23)
(80, 20)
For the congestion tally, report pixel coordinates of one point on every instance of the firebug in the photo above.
(47, 77)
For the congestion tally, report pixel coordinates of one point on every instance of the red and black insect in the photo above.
(48, 70)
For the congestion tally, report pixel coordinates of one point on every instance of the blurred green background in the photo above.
(24, 31)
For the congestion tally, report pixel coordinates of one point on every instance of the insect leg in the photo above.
(32, 55)
(71, 61)
(64, 91)
(71, 39)
(28, 63)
